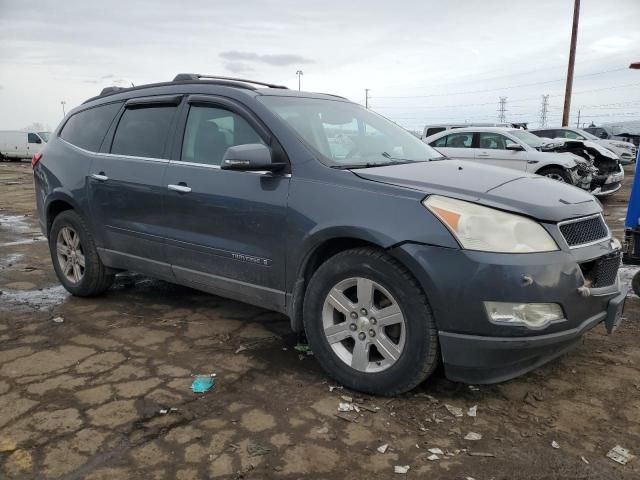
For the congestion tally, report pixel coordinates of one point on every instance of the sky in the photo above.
(424, 62)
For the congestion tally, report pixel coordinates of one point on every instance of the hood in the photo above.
(506, 189)
(617, 144)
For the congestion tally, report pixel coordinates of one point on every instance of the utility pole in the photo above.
(502, 109)
(366, 97)
(299, 73)
(63, 103)
(572, 60)
(578, 122)
(544, 110)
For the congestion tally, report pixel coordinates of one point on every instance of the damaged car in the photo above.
(608, 175)
(513, 148)
(390, 258)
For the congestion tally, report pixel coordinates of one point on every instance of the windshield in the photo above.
(528, 138)
(44, 135)
(348, 135)
(587, 135)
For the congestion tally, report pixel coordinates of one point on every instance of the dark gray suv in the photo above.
(388, 256)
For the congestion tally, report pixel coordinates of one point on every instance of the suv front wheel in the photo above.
(75, 258)
(369, 323)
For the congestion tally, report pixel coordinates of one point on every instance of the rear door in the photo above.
(226, 228)
(492, 151)
(456, 145)
(126, 185)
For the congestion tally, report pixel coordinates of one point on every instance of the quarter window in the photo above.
(33, 138)
(210, 131)
(142, 132)
(86, 129)
(494, 141)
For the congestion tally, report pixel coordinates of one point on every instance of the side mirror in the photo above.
(250, 157)
(515, 147)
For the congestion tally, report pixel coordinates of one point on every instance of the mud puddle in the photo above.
(35, 299)
(18, 230)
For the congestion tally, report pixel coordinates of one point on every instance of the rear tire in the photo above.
(387, 355)
(75, 257)
(556, 173)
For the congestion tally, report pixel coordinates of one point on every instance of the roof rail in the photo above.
(107, 90)
(197, 76)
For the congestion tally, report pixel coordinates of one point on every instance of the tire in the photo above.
(635, 283)
(556, 173)
(394, 289)
(94, 278)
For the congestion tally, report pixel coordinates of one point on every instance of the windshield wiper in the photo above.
(362, 165)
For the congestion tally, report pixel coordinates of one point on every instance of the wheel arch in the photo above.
(56, 204)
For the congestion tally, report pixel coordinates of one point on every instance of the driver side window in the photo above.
(210, 131)
(494, 141)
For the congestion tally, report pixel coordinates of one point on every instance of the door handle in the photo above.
(182, 188)
(100, 176)
(483, 154)
(532, 161)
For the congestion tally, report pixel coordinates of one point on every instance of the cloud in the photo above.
(238, 67)
(282, 59)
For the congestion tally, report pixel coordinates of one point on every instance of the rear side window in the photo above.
(142, 132)
(210, 131)
(458, 140)
(87, 129)
(434, 130)
(494, 141)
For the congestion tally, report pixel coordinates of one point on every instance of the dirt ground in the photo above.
(105, 394)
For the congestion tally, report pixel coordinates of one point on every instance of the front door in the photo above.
(492, 151)
(226, 230)
(126, 186)
(456, 145)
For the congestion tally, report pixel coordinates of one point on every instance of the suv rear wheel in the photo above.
(369, 323)
(75, 258)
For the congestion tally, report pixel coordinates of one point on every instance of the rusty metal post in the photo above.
(572, 59)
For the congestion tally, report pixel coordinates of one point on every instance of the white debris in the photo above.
(469, 478)
(433, 457)
(437, 451)
(473, 411)
(322, 430)
(346, 398)
(345, 407)
(620, 455)
(58, 320)
(473, 436)
(164, 411)
(584, 460)
(241, 348)
(455, 411)
(383, 448)
(555, 444)
(401, 468)
(335, 387)
(473, 388)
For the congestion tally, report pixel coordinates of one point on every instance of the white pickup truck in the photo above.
(16, 145)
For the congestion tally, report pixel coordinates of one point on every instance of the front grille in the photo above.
(588, 230)
(601, 272)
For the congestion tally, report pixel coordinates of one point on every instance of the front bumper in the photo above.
(610, 184)
(458, 282)
(476, 359)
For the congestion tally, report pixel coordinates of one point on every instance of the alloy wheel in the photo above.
(364, 325)
(70, 254)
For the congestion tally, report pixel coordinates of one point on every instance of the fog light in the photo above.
(532, 315)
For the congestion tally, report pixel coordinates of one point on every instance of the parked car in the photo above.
(390, 260)
(513, 148)
(17, 145)
(441, 127)
(625, 132)
(626, 151)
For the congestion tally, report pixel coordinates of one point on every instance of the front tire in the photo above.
(75, 257)
(556, 173)
(635, 283)
(369, 323)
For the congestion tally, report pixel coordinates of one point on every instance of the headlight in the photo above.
(532, 315)
(623, 145)
(490, 230)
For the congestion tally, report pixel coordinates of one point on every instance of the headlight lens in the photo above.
(532, 315)
(490, 230)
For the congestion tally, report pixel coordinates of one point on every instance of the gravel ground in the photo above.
(105, 393)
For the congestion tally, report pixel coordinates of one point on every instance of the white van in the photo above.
(16, 145)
